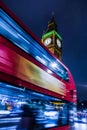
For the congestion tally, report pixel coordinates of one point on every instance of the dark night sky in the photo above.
(71, 18)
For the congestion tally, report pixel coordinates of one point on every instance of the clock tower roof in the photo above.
(52, 25)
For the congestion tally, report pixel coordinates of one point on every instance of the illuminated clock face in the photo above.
(47, 41)
(58, 43)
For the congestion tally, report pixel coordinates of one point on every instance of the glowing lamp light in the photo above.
(54, 65)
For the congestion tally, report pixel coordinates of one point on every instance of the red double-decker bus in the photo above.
(30, 74)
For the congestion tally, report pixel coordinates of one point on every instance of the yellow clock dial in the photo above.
(58, 43)
(47, 41)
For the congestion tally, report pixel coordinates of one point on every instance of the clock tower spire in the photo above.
(52, 39)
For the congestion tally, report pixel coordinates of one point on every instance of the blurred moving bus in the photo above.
(31, 74)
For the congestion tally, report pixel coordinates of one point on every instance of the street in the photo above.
(9, 123)
(76, 126)
(79, 126)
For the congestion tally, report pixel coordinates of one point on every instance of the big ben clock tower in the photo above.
(52, 39)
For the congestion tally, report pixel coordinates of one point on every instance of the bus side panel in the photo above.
(16, 65)
(9, 64)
